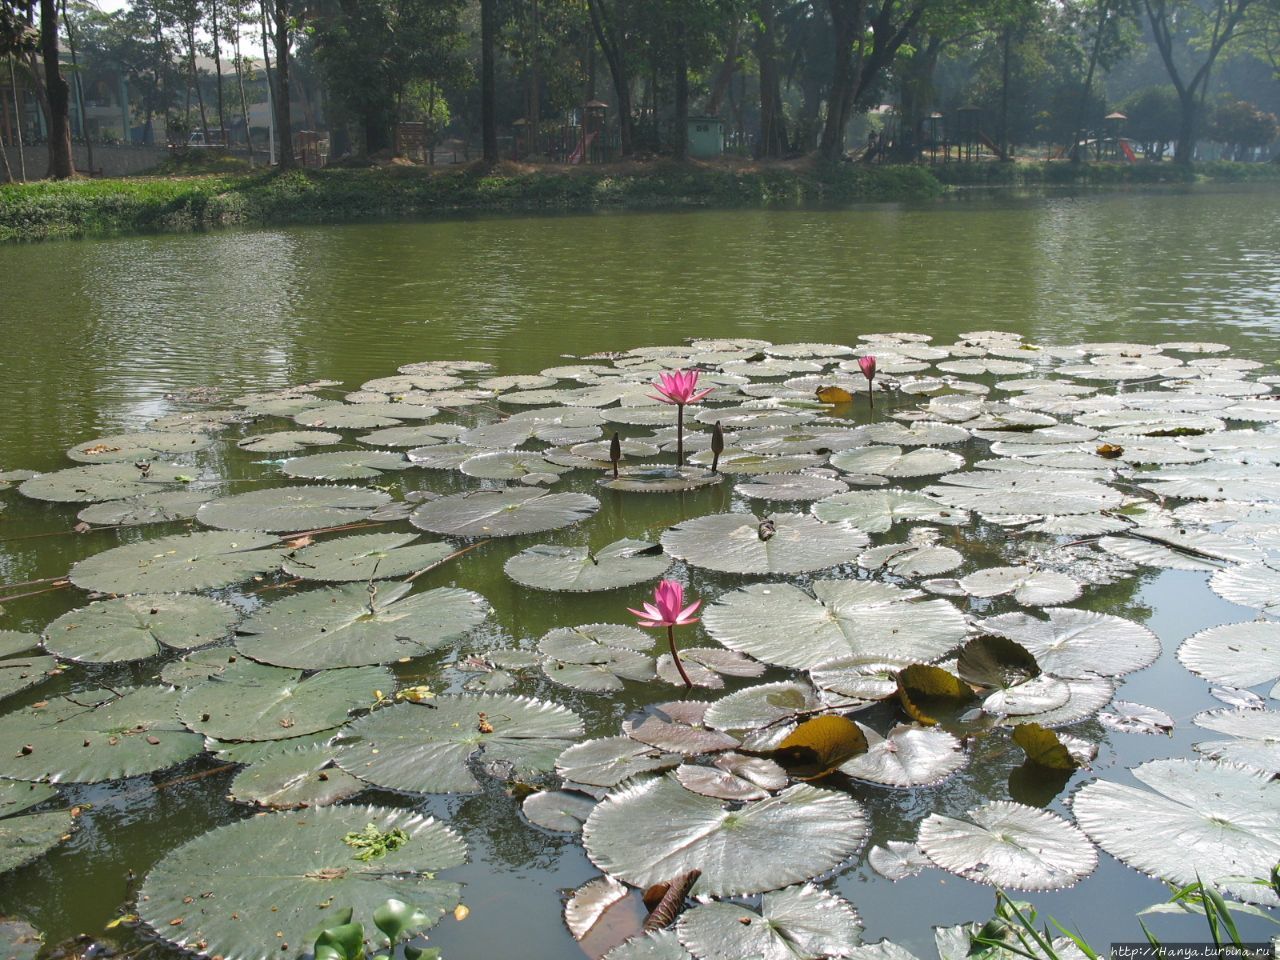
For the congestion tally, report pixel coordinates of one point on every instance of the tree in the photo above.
(1241, 126)
(61, 163)
(609, 21)
(1154, 118)
(277, 13)
(488, 89)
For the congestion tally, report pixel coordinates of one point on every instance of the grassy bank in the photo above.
(184, 203)
(139, 205)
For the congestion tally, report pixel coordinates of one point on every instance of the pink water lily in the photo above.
(678, 389)
(668, 610)
(867, 365)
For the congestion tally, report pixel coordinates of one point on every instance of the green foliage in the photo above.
(1241, 125)
(396, 921)
(1154, 114)
(373, 844)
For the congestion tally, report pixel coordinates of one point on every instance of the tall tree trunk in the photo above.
(4, 158)
(1184, 150)
(244, 100)
(17, 121)
(1078, 128)
(772, 140)
(284, 115)
(615, 57)
(488, 84)
(1004, 91)
(195, 79)
(681, 138)
(217, 66)
(75, 67)
(724, 76)
(846, 26)
(61, 163)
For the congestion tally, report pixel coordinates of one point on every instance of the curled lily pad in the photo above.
(302, 777)
(93, 736)
(1238, 654)
(1226, 819)
(650, 831)
(582, 570)
(130, 447)
(194, 561)
(138, 627)
(372, 556)
(503, 513)
(424, 748)
(250, 701)
(1080, 643)
(909, 756)
(784, 625)
(162, 507)
(288, 441)
(1136, 718)
(558, 809)
(25, 838)
(110, 481)
(875, 511)
(798, 922)
(347, 626)
(609, 761)
(281, 509)
(298, 863)
(589, 904)
(21, 665)
(1009, 845)
(345, 465)
(779, 543)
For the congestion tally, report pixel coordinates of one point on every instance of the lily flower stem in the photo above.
(871, 395)
(680, 436)
(675, 655)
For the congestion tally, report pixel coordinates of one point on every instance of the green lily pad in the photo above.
(301, 777)
(130, 447)
(1237, 654)
(508, 465)
(797, 922)
(892, 462)
(18, 795)
(285, 509)
(345, 465)
(23, 839)
(658, 945)
(558, 809)
(609, 761)
(1079, 643)
(346, 627)
(659, 479)
(1255, 738)
(422, 435)
(357, 416)
(909, 756)
(791, 487)
(21, 665)
(109, 481)
(1226, 819)
(425, 749)
(1027, 585)
(194, 561)
(503, 513)
(1009, 845)
(911, 560)
(250, 701)
(253, 889)
(94, 736)
(784, 625)
(875, 511)
(596, 657)
(163, 507)
(372, 556)
(650, 831)
(288, 441)
(138, 627)
(581, 570)
(745, 543)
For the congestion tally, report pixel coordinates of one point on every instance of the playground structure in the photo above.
(962, 139)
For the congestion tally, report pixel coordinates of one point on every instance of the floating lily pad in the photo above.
(421, 435)
(797, 922)
(19, 940)
(780, 543)
(282, 509)
(250, 701)
(784, 625)
(892, 462)
(581, 570)
(558, 809)
(596, 657)
(347, 627)
(508, 465)
(135, 628)
(897, 860)
(163, 507)
(1027, 585)
(283, 870)
(1238, 654)
(875, 511)
(660, 479)
(909, 756)
(194, 561)
(17, 795)
(358, 416)
(1009, 845)
(769, 705)
(345, 465)
(1226, 819)
(130, 447)
(589, 903)
(94, 736)
(26, 838)
(288, 441)
(424, 749)
(1250, 586)
(1136, 718)
(111, 481)
(302, 777)
(911, 560)
(372, 556)
(791, 487)
(1079, 643)
(503, 513)
(1255, 733)
(21, 665)
(609, 761)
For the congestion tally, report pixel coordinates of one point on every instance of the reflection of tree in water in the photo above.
(497, 833)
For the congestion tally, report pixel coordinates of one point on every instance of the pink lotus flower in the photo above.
(868, 367)
(679, 388)
(667, 609)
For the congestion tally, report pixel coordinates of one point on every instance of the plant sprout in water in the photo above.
(679, 388)
(867, 365)
(668, 610)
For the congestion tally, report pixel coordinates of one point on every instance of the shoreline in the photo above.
(198, 202)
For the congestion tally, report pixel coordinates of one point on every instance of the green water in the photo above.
(100, 332)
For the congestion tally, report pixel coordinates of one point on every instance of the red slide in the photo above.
(576, 156)
(1128, 151)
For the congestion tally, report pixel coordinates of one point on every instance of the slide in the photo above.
(991, 145)
(576, 156)
(1128, 151)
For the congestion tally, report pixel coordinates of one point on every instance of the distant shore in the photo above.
(194, 202)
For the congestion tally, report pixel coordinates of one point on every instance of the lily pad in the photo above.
(1079, 643)
(288, 441)
(596, 657)
(26, 838)
(875, 511)
(780, 543)
(295, 778)
(650, 831)
(21, 665)
(508, 465)
(283, 509)
(250, 701)
(345, 465)
(138, 627)
(911, 560)
(293, 865)
(1237, 654)
(797, 923)
(1226, 819)
(791, 487)
(897, 860)
(93, 736)
(425, 748)
(194, 561)
(1255, 738)
(784, 625)
(1009, 845)
(609, 761)
(581, 570)
(1130, 717)
(162, 507)
(347, 627)
(421, 435)
(372, 556)
(909, 756)
(1255, 586)
(892, 462)
(130, 447)
(503, 513)
(660, 479)
(561, 810)
(110, 481)
(1027, 585)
